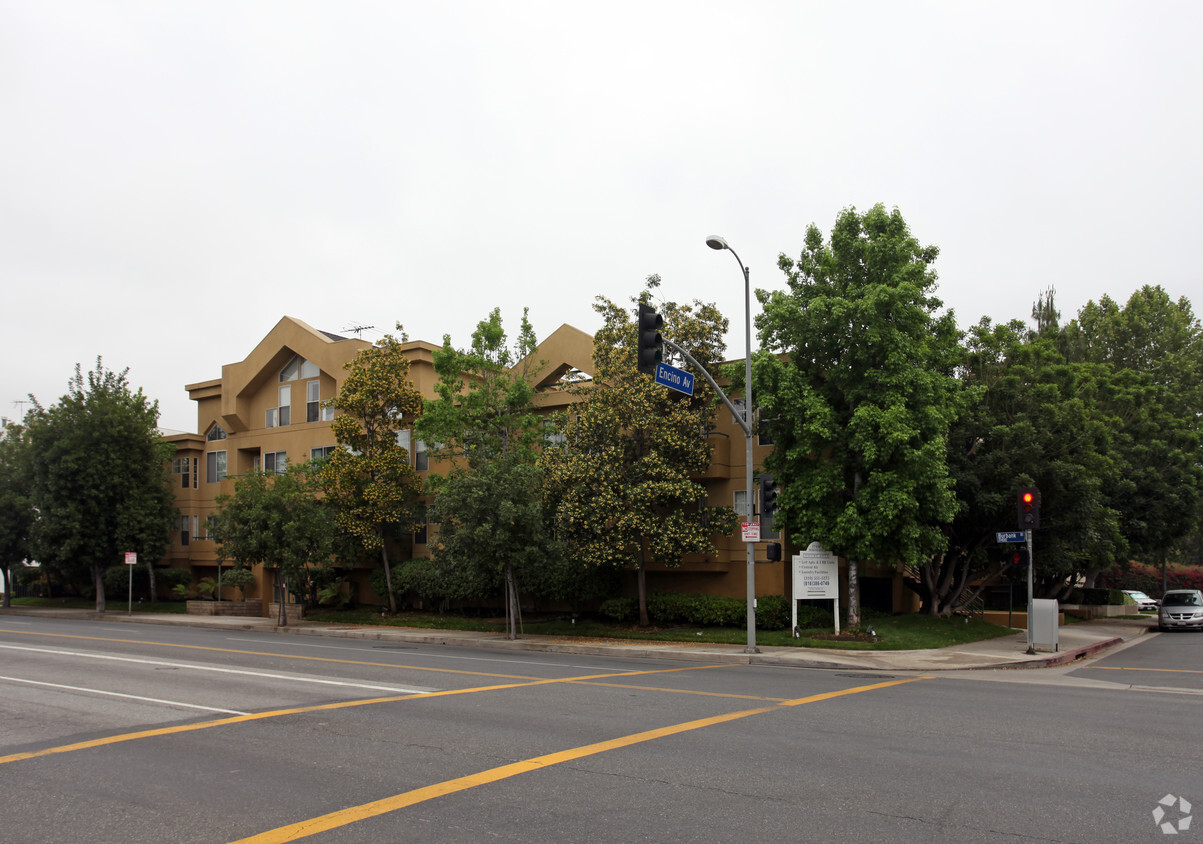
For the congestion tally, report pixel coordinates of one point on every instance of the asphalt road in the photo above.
(133, 733)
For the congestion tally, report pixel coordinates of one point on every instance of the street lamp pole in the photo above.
(716, 242)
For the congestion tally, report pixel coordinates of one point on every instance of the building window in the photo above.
(314, 410)
(182, 466)
(421, 456)
(215, 465)
(285, 415)
(210, 523)
(321, 453)
(420, 526)
(216, 433)
(275, 462)
(739, 502)
(403, 440)
(184, 535)
(196, 473)
(553, 437)
(291, 369)
(298, 367)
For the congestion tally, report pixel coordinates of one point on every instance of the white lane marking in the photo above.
(416, 652)
(119, 694)
(214, 668)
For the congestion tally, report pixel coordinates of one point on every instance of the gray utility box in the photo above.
(1044, 621)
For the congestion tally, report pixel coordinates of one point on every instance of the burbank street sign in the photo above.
(674, 379)
(1010, 536)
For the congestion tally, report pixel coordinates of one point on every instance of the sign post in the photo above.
(131, 560)
(816, 575)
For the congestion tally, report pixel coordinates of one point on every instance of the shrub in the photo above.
(239, 577)
(621, 610)
(813, 618)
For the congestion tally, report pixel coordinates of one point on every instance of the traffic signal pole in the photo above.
(1031, 643)
(744, 419)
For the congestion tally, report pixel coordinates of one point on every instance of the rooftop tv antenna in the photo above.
(359, 329)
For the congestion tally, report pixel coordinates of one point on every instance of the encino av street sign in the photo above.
(674, 379)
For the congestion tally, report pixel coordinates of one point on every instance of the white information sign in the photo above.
(816, 575)
(751, 531)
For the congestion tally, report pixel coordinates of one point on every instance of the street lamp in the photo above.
(716, 242)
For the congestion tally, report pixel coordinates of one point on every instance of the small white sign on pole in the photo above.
(131, 559)
(751, 531)
(816, 575)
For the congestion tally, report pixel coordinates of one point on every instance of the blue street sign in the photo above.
(674, 379)
(1011, 536)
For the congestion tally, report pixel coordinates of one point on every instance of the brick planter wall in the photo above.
(252, 609)
(292, 612)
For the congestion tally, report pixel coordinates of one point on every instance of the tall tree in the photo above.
(16, 505)
(99, 477)
(624, 482)
(1035, 419)
(370, 483)
(488, 505)
(280, 522)
(1154, 346)
(856, 370)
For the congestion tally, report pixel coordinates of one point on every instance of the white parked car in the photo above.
(1143, 601)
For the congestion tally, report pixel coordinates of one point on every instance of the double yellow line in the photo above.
(343, 817)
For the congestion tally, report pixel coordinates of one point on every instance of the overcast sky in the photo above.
(175, 177)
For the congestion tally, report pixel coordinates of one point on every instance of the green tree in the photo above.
(624, 484)
(856, 372)
(1034, 419)
(489, 505)
(16, 505)
(98, 469)
(370, 483)
(1154, 346)
(280, 522)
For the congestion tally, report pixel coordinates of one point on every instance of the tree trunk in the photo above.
(642, 581)
(282, 619)
(388, 575)
(853, 596)
(512, 608)
(154, 587)
(8, 587)
(98, 579)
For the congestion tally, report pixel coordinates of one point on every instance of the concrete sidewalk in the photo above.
(1075, 642)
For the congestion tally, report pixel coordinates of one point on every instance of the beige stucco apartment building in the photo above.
(266, 412)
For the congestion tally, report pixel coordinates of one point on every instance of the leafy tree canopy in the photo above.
(856, 374)
(98, 469)
(624, 482)
(370, 482)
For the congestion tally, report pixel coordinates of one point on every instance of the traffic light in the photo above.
(768, 497)
(651, 344)
(773, 552)
(1027, 506)
(1019, 557)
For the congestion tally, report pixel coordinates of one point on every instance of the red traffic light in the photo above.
(1028, 508)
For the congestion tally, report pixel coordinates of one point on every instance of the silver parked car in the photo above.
(1181, 609)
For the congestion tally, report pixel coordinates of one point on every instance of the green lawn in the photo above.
(113, 604)
(894, 632)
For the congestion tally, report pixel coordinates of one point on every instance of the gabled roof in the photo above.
(290, 336)
(566, 349)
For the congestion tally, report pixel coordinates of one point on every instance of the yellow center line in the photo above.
(343, 817)
(1120, 667)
